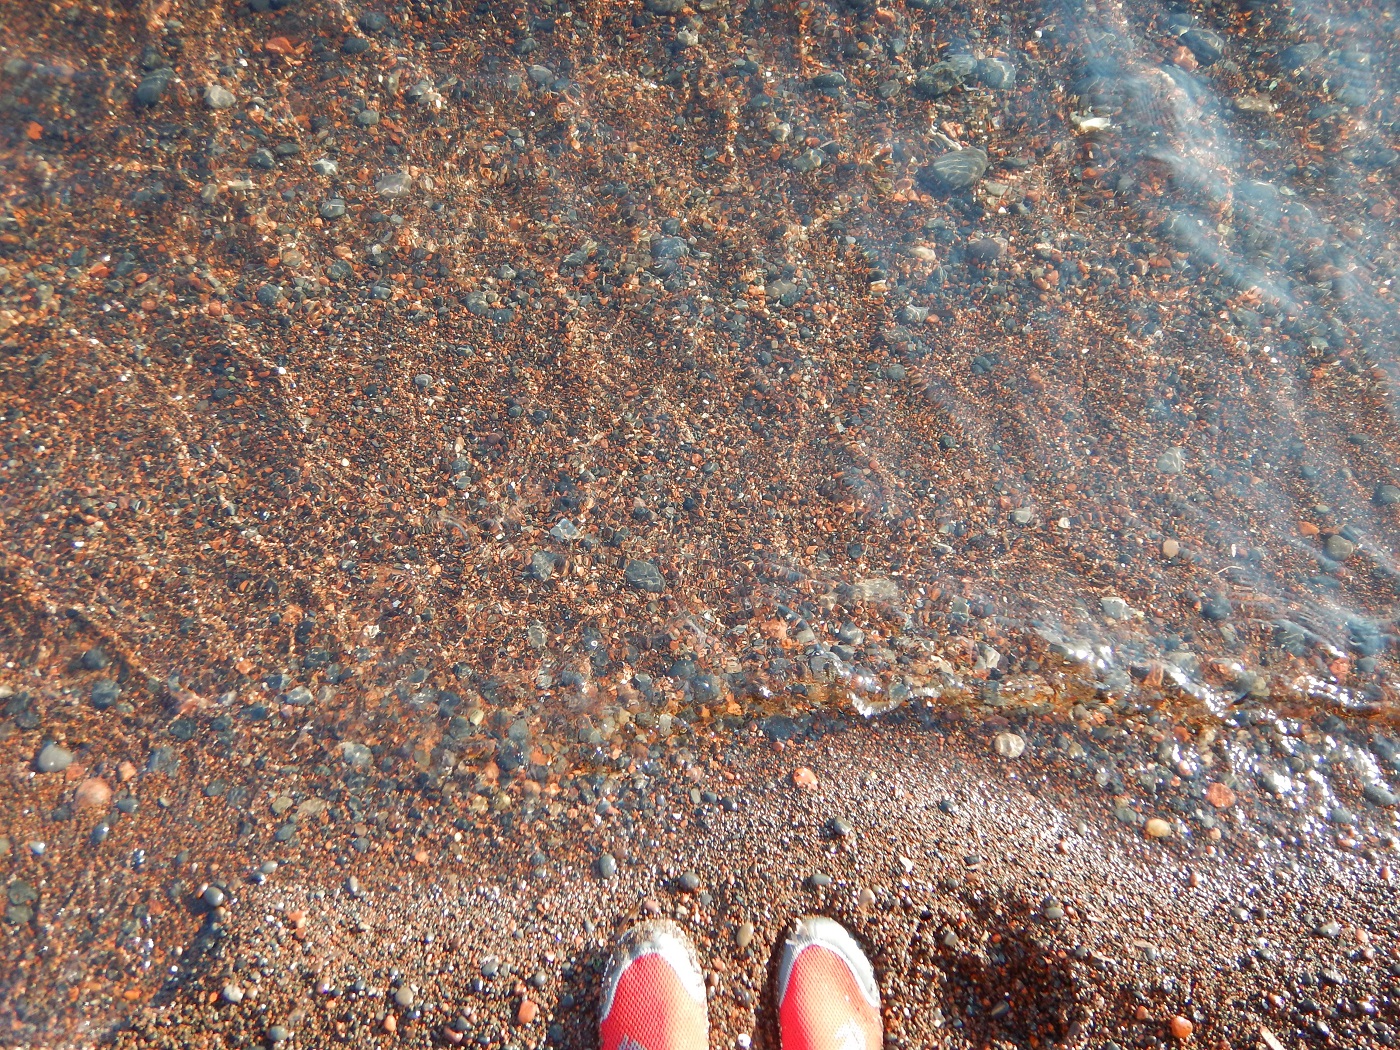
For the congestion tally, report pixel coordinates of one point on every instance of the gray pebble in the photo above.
(105, 693)
(53, 759)
(216, 96)
(607, 865)
(214, 897)
(840, 827)
(645, 576)
(690, 882)
(955, 171)
(334, 208)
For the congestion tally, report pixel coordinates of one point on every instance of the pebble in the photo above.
(743, 935)
(1170, 548)
(404, 996)
(689, 882)
(278, 1034)
(214, 897)
(1339, 548)
(93, 793)
(394, 185)
(1172, 461)
(955, 171)
(53, 759)
(1181, 1028)
(1010, 745)
(527, 1012)
(216, 97)
(804, 778)
(232, 993)
(840, 827)
(644, 576)
(1158, 828)
(607, 865)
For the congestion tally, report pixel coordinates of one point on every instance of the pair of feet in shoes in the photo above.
(654, 992)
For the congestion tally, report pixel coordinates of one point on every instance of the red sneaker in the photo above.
(827, 995)
(654, 992)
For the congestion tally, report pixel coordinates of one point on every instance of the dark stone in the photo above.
(955, 171)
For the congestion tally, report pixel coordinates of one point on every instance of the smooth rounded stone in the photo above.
(105, 693)
(955, 171)
(985, 250)
(541, 75)
(1158, 828)
(1274, 783)
(373, 21)
(1299, 55)
(665, 7)
(1010, 745)
(490, 966)
(93, 793)
(268, 295)
(850, 634)
(325, 166)
(819, 880)
(403, 995)
(689, 882)
(394, 185)
(1172, 461)
(1022, 516)
(1379, 795)
(334, 208)
(1208, 47)
(1341, 815)
(354, 45)
(1052, 909)
(214, 897)
(1339, 548)
(840, 827)
(232, 993)
(743, 936)
(866, 897)
(1170, 548)
(216, 97)
(832, 81)
(152, 86)
(644, 576)
(423, 381)
(278, 1033)
(53, 759)
(367, 118)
